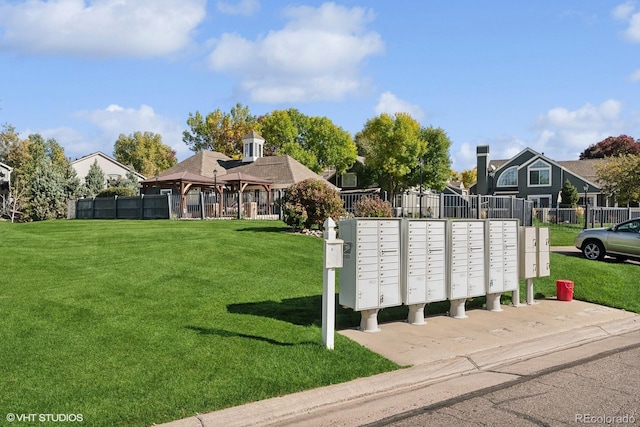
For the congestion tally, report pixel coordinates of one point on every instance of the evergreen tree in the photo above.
(569, 195)
(94, 180)
(48, 197)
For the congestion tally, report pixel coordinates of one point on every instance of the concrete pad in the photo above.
(444, 337)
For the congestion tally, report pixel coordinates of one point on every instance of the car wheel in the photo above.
(593, 250)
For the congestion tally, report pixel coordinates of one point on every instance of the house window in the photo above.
(539, 174)
(509, 177)
(349, 180)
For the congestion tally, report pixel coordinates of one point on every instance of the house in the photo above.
(5, 183)
(111, 168)
(352, 179)
(533, 176)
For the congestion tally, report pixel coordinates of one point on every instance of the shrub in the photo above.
(117, 191)
(309, 203)
(373, 207)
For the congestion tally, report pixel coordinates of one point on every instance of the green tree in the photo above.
(620, 177)
(316, 142)
(41, 174)
(392, 147)
(130, 183)
(48, 198)
(569, 194)
(145, 152)
(278, 129)
(218, 131)
(436, 160)
(95, 180)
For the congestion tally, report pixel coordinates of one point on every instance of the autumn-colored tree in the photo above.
(218, 131)
(145, 152)
(469, 177)
(620, 177)
(611, 147)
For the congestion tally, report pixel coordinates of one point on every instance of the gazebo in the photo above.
(182, 182)
(238, 182)
(234, 183)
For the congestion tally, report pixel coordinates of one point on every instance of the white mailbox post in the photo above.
(332, 256)
(467, 263)
(370, 277)
(424, 261)
(502, 243)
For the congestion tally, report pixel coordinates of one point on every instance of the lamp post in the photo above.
(215, 188)
(421, 164)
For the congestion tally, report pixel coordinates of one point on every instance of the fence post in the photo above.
(201, 200)
(441, 207)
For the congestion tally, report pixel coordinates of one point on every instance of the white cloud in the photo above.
(316, 56)
(114, 120)
(243, 7)
(635, 77)
(560, 133)
(623, 11)
(564, 134)
(626, 12)
(391, 104)
(140, 28)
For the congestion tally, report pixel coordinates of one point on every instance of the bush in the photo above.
(117, 191)
(373, 207)
(309, 203)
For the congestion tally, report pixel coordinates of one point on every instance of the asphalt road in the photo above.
(599, 390)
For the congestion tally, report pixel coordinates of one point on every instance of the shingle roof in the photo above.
(282, 171)
(584, 168)
(202, 163)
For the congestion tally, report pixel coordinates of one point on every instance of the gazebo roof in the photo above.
(182, 181)
(186, 177)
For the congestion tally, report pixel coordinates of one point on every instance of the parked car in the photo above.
(621, 241)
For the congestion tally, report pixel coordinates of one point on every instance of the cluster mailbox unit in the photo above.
(424, 265)
(392, 261)
(534, 256)
(371, 265)
(467, 275)
(503, 260)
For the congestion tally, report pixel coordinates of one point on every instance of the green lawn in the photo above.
(132, 323)
(139, 322)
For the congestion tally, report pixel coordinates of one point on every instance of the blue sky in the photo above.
(552, 75)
